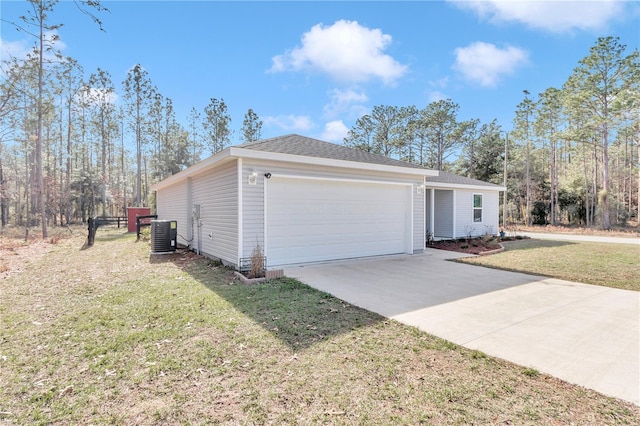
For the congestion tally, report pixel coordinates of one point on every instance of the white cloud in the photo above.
(346, 51)
(553, 16)
(19, 49)
(334, 131)
(435, 96)
(54, 40)
(95, 96)
(486, 64)
(349, 102)
(441, 83)
(13, 49)
(435, 92)
(291, 123)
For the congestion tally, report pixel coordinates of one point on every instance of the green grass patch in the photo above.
(531, 372)
(610, 265)
(112, 335)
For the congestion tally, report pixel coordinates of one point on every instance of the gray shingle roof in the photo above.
(450, 178)
(302, 145)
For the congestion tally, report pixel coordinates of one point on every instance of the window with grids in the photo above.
(477, 208)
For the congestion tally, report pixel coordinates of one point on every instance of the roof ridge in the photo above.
(261, 141)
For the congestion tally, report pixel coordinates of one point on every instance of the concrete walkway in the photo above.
(583, 238)
(584, 334)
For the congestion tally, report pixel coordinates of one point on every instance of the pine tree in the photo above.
(602, 83)
(138, 95)
(216, 124)
(36, 23)
(251, 127)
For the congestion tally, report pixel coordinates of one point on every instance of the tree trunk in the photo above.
(39, 177)
(124, 175)
(606, 199)
(528, 183)
(146, 183)
(67, 192)
(138, 160)
(587, 194)
(552, 179)
(3, 199)
(629, 178)
(504, 196)
(104, 171)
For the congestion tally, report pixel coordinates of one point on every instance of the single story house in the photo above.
(304, 200)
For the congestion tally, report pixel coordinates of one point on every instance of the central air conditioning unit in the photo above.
(164, 236)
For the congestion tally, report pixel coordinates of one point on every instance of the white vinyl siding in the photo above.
(491, 211)
(171, 204)
(465, 224)
(233, 211)
(217, 193)
(253, 196)
(252, 210)
(419, 218)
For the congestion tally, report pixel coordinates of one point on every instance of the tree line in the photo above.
(571, 156)
(63, 156)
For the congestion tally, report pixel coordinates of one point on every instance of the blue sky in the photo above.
(313, 68)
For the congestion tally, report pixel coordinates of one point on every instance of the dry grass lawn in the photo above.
(113, 335)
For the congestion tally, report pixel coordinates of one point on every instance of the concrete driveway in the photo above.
(583, 334)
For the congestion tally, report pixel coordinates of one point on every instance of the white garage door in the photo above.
(310, 220)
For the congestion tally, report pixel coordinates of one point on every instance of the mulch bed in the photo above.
(473, 246)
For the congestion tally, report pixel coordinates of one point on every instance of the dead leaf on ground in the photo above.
(66, 391)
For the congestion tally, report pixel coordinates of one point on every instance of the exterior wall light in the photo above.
(253, 177)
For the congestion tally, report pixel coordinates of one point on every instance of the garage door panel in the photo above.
(371, 211)
(314, 253)
(309, 236)
(312, 220)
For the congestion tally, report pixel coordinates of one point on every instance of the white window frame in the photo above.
(477, 208)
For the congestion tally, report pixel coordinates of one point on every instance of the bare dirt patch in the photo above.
(19, 247)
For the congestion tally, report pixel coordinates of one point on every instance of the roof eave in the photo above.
(235, 152)
(194, 170)
(442, 185)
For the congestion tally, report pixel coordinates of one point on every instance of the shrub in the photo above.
(257, 262)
